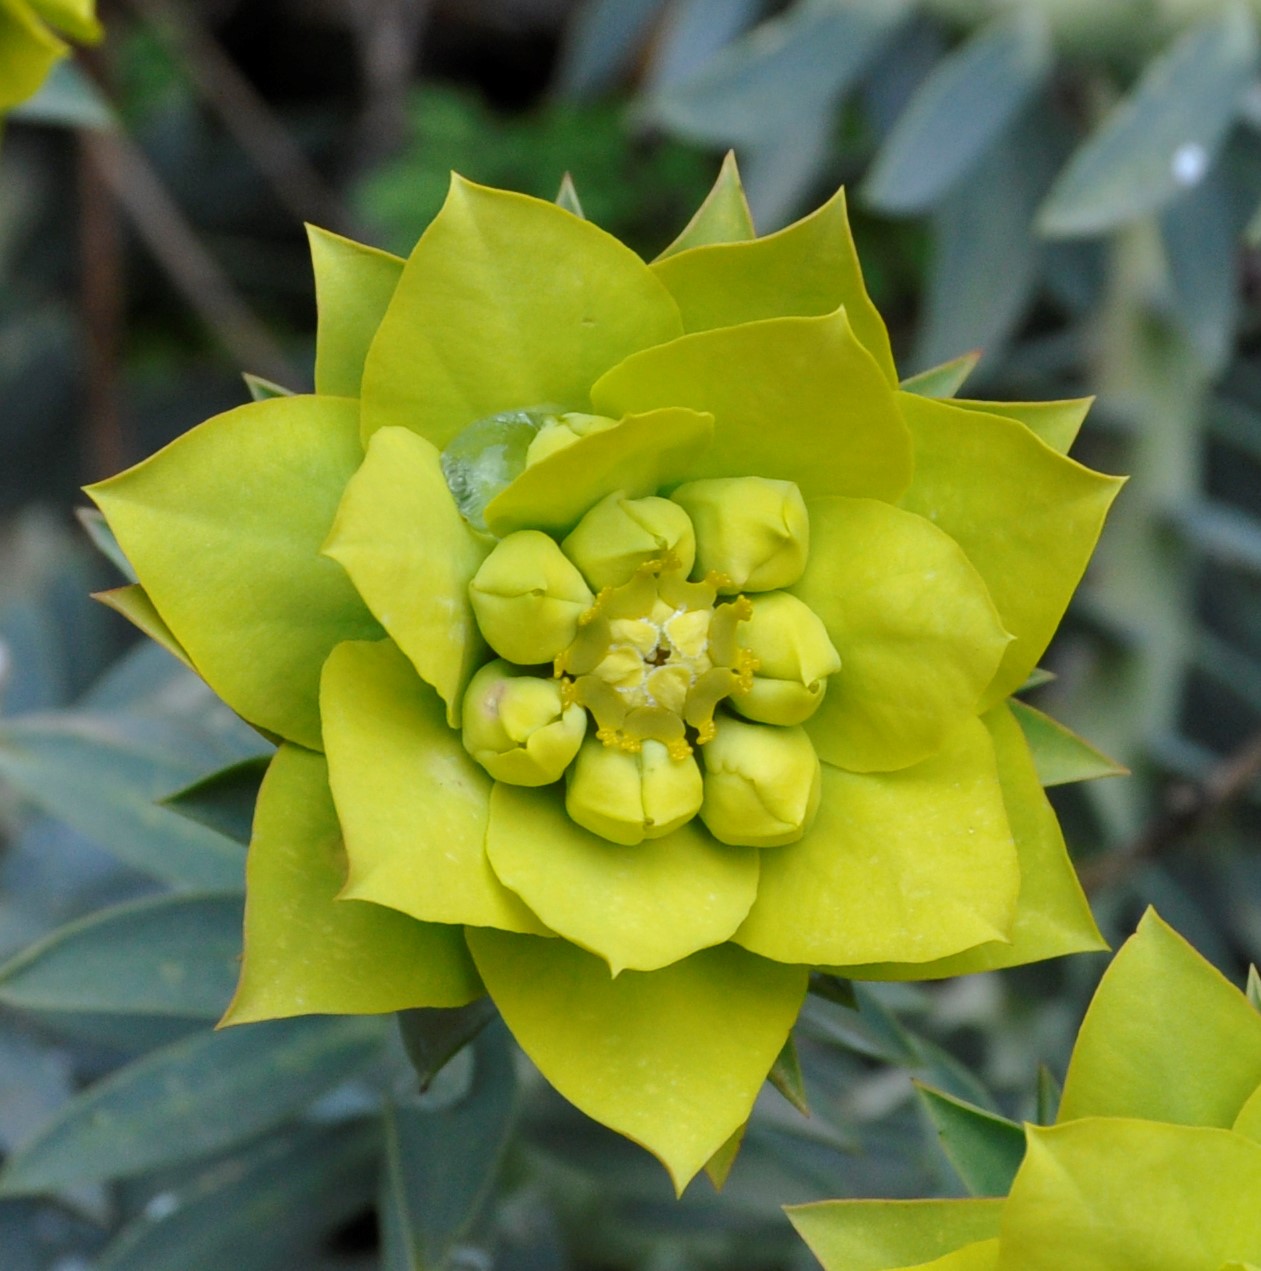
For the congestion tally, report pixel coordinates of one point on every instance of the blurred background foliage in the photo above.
(1072, 188)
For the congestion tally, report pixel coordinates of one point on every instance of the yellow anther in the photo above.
(679, 748)
(716, 579)
(706, 731)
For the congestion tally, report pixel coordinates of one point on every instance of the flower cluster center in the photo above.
(655, 656)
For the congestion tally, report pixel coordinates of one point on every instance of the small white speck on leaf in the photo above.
(1189, 164)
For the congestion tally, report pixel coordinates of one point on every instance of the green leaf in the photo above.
(169, 955)
(1036, 679)
(104, 541)
(944, 877)
(470, 331)
(1112, 1194)
(984, 1148)
(1049, 1093)
(785, 1076)
(353, 288)
(876, 1235)
(96, 778)
(673, 1059)
(198, 1096)
(809, 269)
(411, 556)
(1166, 1038)
(75, 18)
(433, 1035)
(913, 622)
(261, 389)
(441, 1163)
(1254, 987)
(985, 260)
(272, 1207)
(1061, 756)
(967, 101)
(1163, 136)
(810, 371)
(224, 800)
(718, 1167)
(944, 380)
(658, 902)
(977, 476)
(307, 948)
(251, 494)
(794, 67)
(834, 988)
(567, 197)
(723, 217)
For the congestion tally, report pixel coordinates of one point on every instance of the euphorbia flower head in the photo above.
(634, 643)
(1153, 1164)
(30, 42)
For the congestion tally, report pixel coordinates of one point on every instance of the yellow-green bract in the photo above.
(30, 43)
(1154, 1163)
(307, 556)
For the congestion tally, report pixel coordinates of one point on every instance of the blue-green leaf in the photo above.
(961, 109)
(1164, 136)
(166, 955)
(224, 800)
(984, 1148)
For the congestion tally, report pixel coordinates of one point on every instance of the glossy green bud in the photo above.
(527, 598)
(627, 796)
(752, 530)
(794, 659)
(762, 784)
(517, 726)
(618, 534)
(559, 431)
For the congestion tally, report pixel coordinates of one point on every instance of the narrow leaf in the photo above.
(1049, 1092)
(944, 380)
(1060, 755)
(198, 1096)
(441, 1164)
(82, 771)
(785, 1076)
(103, 539)
(833, 988)
(1036, 679)
(169, 955)
(567, 197)
(268, 1209)
(1164, 136)
(224, 800)
(968, 101)
(718, 1167)
(433, 1035)
(261, 389)
(1254, 986)
(984, 1148)
(133, 603)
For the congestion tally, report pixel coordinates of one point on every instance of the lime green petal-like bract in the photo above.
(28, 50)
(224, 527)
(410, 553)
(507, 302)
(918, 635)
(658, 900)
(412, 803)
(672, 1058)
(910, 865)
(793, 399)
(306, 951)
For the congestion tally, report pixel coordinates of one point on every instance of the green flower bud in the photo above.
(518, 727)
(753, 531)
(618, 534)
(794, 659)
(528, 597)
(560, 431)
(631, 795)
(762, 784)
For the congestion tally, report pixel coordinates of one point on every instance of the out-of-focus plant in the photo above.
(31, 43)
(1154, 1159)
